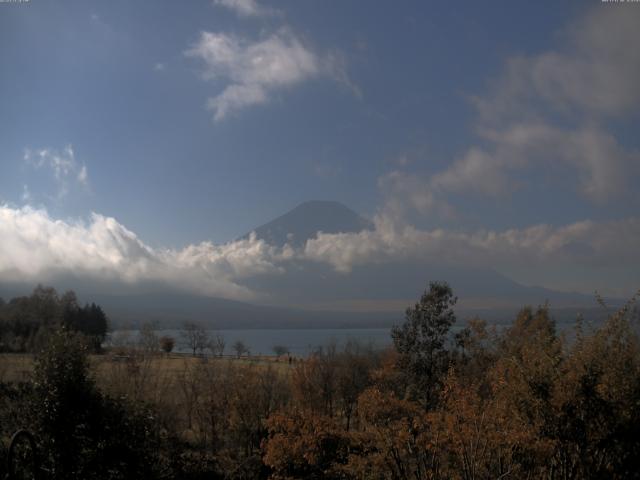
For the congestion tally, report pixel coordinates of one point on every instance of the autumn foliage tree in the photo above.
(520, 403)
(524, 400)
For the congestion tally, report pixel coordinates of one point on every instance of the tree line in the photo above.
(195, 339)
(520, 402)
(27, 322)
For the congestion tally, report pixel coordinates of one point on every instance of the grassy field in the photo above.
(17, 367)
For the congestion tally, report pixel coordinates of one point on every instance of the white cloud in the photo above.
(66, 169)
(244, 8)
(595, 72)
(335, 65)
(253, 71)
(159, 67)
(403, 190)
(584, 243)
(36, 247)
(548, 113)
(600, 162)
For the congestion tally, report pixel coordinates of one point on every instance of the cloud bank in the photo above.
(36, 248)
(610, 243)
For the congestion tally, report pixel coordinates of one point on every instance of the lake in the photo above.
(300, 342)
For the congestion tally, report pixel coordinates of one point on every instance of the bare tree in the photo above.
(217, 344)
(148, 339)
(195, 337)
(120, 340)
(240, 348)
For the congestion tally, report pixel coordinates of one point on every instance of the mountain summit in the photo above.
(307, 219)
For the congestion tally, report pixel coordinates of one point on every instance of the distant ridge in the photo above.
(307, 219)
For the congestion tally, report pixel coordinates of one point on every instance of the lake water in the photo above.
(300, 342)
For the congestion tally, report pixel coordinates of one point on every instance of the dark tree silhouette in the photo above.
(240, 348)
(280, 350)
(27, 322)
(167, 344)
(421, 342)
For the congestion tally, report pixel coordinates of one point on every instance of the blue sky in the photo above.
(197, 121)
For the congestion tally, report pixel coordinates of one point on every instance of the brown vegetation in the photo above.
(520, 403)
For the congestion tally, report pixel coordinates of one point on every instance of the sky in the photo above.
(139, 139)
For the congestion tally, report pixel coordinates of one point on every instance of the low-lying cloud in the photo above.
(37, 248)
(611, 243)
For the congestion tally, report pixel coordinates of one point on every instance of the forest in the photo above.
(26, 322)
(523, 401)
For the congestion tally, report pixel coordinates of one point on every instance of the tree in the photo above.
(27, 322)
(421, 343)
(195, 337)
(476, 352)
(98, 323)
(45, 304)
(240, 348)
(530, 326)
(314, 381)
(89, 320)
(354, 365)
(64, 398)
(148, 339)
(395, 440)
(481, 436)
(167, 344)
(85, 434)
(217, 344)
(302, 444)
(280, 350)
(580, 399)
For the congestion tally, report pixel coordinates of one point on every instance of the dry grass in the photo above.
(156, 378)
(15, 367)
(19, 366)
(150, 377)
(185, 391)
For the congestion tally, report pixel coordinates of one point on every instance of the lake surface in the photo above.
(300, 342)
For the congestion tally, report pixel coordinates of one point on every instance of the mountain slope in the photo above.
(307, 219)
